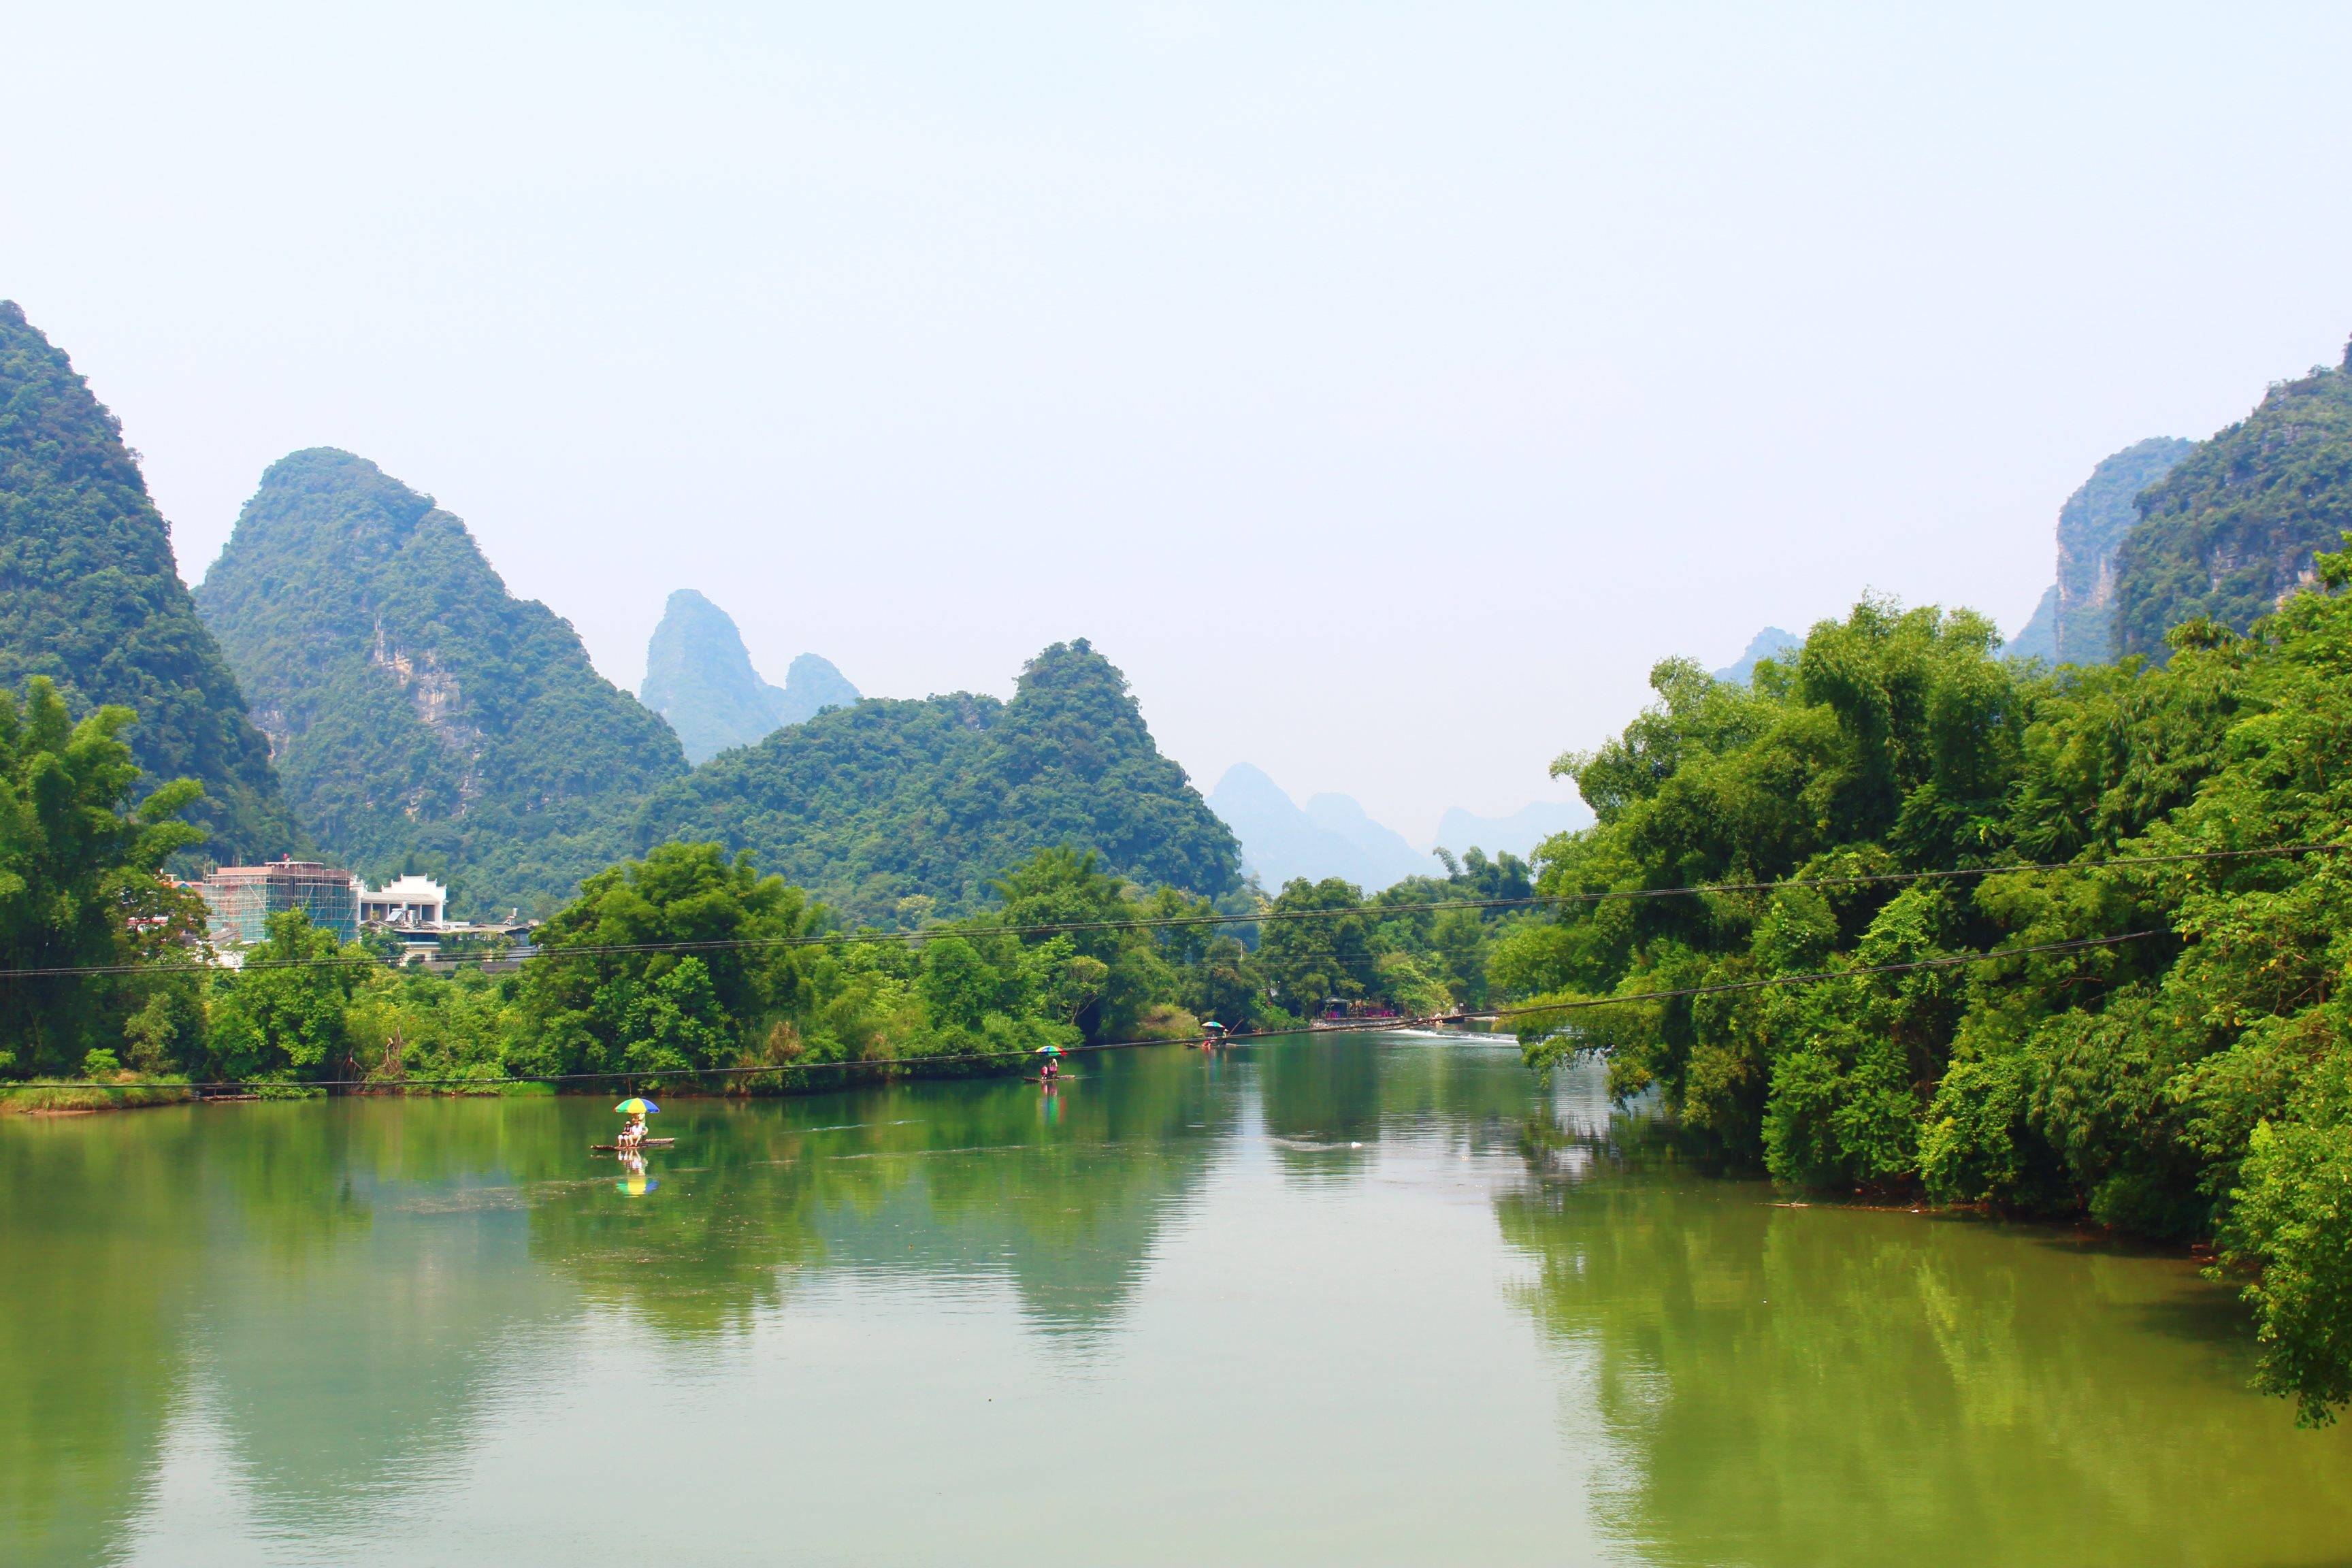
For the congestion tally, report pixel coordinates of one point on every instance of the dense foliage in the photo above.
(423, 718)
(699, 676)
(2236, 523)
(78, 884)
(90, 597)
(891, 811)
(2188, 1082)
(690, 962)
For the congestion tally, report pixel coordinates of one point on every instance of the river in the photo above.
(1344, 1298)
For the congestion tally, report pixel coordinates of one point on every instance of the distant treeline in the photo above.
(725, 973)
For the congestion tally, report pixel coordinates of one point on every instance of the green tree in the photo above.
(1329, 953)
(732, 965)
(2191, 1076)
(1112, 973)
(78, 882)
(286, 1015)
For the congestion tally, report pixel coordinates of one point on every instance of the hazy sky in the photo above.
(1383, 387)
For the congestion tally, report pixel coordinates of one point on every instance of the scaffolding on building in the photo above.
(241, 899)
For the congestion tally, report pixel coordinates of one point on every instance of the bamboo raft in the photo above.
(640, 1143)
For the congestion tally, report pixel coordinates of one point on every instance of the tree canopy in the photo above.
(78, 884)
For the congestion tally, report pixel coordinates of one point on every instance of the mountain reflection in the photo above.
(948, 1184)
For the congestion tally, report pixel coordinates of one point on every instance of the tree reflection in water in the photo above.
(1059, 1196)
(341, 1298)
(1823, 1384)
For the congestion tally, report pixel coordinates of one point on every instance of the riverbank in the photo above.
(76, 1097)
(66, 1097)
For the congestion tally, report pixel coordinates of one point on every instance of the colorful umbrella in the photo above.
(636, 1105)
(1049, 1050)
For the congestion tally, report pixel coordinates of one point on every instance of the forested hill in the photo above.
(2233, 526)
(934, 799)
(92, 597)
(421, 716)
(698, 676)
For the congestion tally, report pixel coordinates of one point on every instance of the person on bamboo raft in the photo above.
(633, 1131)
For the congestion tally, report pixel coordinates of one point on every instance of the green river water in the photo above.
(1330, 1300)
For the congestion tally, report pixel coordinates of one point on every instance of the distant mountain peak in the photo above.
(1517, 834)
(699, 677)
(1331, 837)
(1769, 643)
(2091, 526)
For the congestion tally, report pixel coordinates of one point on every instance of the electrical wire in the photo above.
(1358, 1025)
(1161, 922)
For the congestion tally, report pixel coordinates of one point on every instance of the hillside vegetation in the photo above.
(2235, 524)
(90, 597)
(423, 718)
(890, 801)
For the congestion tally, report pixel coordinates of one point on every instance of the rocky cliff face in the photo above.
(92, 597)
(2090, 529)
(2231, 530)
(699, 676)
(419, 714)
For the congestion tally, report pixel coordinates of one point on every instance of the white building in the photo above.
(417, 902)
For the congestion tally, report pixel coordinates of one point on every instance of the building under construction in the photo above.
(241, 899)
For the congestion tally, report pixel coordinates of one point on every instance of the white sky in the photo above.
(1383, 387)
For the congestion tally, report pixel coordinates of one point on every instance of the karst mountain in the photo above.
(699, 676)
(894, 809)
(422, 717)
(90, 597)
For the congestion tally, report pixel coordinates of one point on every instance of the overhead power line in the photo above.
(1354, 1025)
(1161, 922)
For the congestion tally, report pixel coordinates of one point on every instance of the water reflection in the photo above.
(1059, 1193)
(354, 1304)
(99, 1242)
(1814, 1385)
